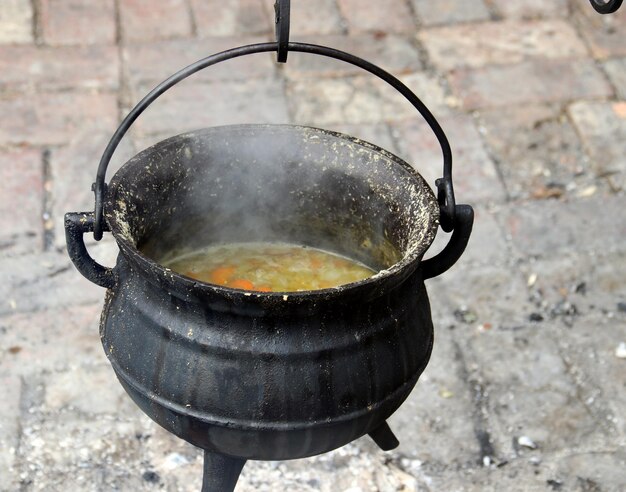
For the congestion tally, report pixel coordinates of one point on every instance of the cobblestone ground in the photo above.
(526, 388)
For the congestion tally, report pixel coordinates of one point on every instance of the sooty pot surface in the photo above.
(268, 375)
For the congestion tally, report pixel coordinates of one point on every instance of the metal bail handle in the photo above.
(445, 189)
(606, 7)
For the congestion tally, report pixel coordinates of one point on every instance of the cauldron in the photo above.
(261, 375)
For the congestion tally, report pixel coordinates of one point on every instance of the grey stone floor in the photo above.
(526, 390)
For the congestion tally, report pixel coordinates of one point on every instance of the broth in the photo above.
(269, 267)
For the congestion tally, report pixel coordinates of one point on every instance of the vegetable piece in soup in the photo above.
(269, 267)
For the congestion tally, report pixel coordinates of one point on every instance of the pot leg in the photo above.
(384, 437)
(221, 472)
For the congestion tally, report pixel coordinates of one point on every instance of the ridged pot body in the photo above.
(268, 376)
(268, 386)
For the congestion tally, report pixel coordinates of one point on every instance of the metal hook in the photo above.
(282, 10)
(606, 7)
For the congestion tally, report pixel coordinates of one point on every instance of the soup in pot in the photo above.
(269, 267)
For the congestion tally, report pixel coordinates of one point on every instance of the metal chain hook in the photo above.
(606, 7)
(282, 9)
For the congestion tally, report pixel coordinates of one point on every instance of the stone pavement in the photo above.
(526, 390)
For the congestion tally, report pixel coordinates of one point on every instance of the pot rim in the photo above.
(398, 271)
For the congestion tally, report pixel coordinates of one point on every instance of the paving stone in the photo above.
(73, 170)
(544, 81)
(55, 339)
(21, 200)
(529, 392)
(143, 20)
(616, 70)
(506, 42)
(514, 476)
(77, 22)
(177, 463)
(359, 99)
(16, 21)
(435, 424)
(395, 53)
(533, 8)
(589, 351)
(348, 468)
(595, 470)
(547, 229)
(83, 456)
(537, 150)
(606, 289)
(306, 18)
(384, 15)
(52, 118)
(75, 389)
(602, 127)
(604, 33)
(217, 18)
(30, 68)
(483, 297)
(354, 469)
(192, 106)
(147, 64)
(450, 11)
(33, 283)
(572, 285)
(474, 173)
(10, 393)
(431, 90)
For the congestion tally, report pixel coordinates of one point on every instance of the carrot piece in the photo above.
(241, 283)
(316, 263)
(221, 275)
(263, 288)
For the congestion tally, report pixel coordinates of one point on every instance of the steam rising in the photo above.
(273, 183)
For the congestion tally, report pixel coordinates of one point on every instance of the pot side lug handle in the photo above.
(463, 223)
(76, 225)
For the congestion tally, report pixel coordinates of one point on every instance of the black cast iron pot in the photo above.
(268, 376)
